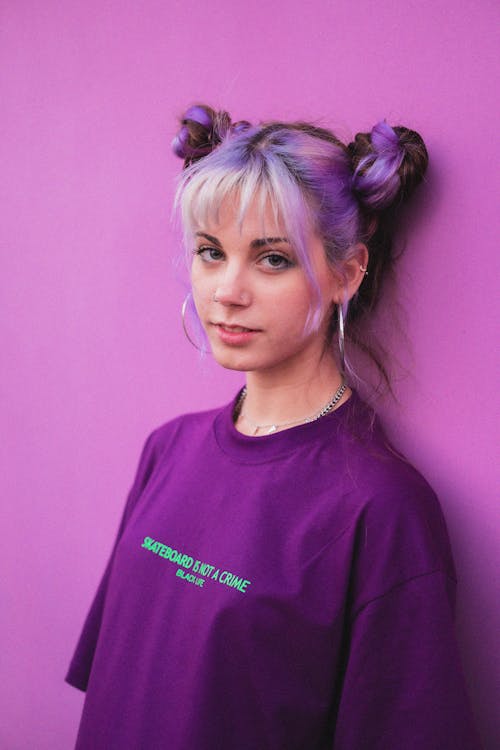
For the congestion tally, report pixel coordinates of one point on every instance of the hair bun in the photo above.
(415, 159)
(202, 129)
(388, 164)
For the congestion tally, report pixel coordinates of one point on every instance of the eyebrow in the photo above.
(267, 241)
(210, 238)
(261, 242)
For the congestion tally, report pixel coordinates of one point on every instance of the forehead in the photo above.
(217, 202)
(259, 218)
(267, 194)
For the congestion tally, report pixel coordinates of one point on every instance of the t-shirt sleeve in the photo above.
(403, 685)
(81, 663)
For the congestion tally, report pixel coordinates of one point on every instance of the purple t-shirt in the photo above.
(287, 592)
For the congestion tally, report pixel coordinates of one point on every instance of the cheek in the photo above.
(289, 315)
(200, 289)
(303, 317)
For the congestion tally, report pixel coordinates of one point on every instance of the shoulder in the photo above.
(399, 527)
(174, 435)
(182, 425)
(374, 466)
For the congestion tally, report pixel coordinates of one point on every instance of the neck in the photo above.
(287, 396)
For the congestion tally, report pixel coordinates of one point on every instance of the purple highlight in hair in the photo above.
(385, 140)
(240, 127)
(180, 143)
(199, 115)
(376, 179)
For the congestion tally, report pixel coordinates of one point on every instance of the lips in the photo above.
(231, 328)
(231, 334)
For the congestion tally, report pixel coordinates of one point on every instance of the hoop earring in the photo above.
(184, 327)
(340, 315)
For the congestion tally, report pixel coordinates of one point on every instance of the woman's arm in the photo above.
(403, 687)
(81, 663)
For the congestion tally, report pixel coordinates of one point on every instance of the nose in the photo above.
(232, 289)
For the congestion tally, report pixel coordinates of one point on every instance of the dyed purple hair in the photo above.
(346, 194)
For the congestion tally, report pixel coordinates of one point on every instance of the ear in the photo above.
(351, 273)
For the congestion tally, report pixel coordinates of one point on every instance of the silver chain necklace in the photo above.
(273, 427)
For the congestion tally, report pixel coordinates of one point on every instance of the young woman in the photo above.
(281, 579)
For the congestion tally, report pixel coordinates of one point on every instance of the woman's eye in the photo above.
(209, 254)
(277, 261)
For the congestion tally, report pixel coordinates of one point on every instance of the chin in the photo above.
(231, 362)
(235, 368)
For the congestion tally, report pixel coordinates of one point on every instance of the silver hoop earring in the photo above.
(184, 327)
(340, 315)
(214, 297)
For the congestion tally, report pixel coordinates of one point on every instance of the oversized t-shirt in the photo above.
(287, 592)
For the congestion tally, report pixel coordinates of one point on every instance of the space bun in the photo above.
(202, 129)
(388, 164)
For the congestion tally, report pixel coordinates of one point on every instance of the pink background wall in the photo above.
(93, 355)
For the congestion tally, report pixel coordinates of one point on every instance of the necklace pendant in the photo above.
(270, 428)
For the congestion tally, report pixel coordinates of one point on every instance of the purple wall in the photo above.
(93, 353)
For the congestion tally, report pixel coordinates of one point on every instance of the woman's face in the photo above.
(252, 296)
